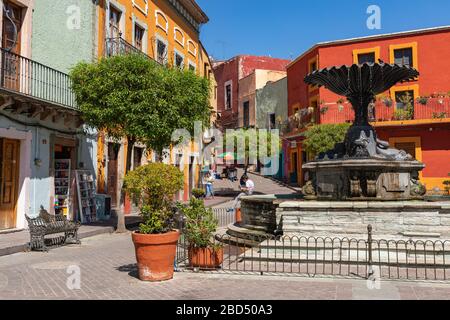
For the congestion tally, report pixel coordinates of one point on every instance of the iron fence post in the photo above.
(369, 249)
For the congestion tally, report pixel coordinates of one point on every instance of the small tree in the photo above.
(321, 138)
(153, 186)
(135, 98)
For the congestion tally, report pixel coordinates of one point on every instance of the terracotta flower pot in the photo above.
(155, 255)
(205, 258)
(238, 215)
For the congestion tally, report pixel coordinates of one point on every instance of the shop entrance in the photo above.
(113, 168)
(9, 166)
(64, 162)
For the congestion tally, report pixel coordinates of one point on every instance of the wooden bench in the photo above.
(47, 224)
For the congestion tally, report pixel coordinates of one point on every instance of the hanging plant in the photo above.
(324, 110)
(387, 102)
(423, 100)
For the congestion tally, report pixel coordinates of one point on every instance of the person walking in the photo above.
(209, 185)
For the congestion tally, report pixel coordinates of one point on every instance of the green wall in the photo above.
(55, 44)
(273, 98)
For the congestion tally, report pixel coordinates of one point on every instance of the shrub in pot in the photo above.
(153, 187)
(200, 226)
(198, 193)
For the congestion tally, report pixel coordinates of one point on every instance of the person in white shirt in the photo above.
(246, 191)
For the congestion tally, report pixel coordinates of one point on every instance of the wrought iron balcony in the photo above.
(433, 108)
(21, 76)
(119, 46)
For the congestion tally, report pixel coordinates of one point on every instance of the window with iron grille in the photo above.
(161, 49)
(228, 96)
(179, 60)
(114, 22)
(138, 37)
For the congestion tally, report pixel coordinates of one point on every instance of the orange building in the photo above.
(414, 116)
(167, 31)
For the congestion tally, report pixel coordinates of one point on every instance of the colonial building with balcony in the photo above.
(414, 116)
(40, 126)
(167, 31)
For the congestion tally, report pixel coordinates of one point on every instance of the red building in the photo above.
(413, 116)
(228, 74)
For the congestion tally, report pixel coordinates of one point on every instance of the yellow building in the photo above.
(167, 31)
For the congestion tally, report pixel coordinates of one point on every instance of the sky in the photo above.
(287, 28)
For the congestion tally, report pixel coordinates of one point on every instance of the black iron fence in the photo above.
(323, 256)
(27, 77)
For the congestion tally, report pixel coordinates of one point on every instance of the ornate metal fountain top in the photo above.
(360, 80)
(360, 84)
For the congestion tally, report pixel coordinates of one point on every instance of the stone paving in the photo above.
(108, 271)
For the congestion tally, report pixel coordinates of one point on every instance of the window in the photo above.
(192, 66)
(312, 66)
(161, 51)
(228, 96)
(138, 37)
(366, 55)
(409, 147)
(246, 112)
(366, 58)
(272, 121)
(403, 99)
(404, 57)
(179, 60)
(114, 23)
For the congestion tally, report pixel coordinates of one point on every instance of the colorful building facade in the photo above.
(40, 125)
(230, 76)
(414, 116)
(167, 31)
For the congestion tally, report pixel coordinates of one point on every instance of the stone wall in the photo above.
(406, 220)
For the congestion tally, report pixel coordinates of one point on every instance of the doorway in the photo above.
(113, 169)
(9, 166)
(11, 38)
(294, 167)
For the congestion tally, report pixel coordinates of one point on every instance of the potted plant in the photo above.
(423, 100)
(153, 187)
(198, 193)
(200, 226)
(447, 186)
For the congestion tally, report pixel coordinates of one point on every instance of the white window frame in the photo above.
(166, 27)
(228, 83)
(194, 53)
(123, 11)
(181, 43)
(143, 10)
(143, 26)
(175, 53)
(161, 39)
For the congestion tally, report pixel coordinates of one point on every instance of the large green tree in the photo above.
(135, 98)
(323, 137)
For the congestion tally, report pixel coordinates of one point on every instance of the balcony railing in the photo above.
(119, 46)
(27, 77)
(434, 108)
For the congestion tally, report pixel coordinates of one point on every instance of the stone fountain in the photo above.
(363, 167)
(361, 181)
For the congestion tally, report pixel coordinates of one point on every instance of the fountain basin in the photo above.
(364, 180)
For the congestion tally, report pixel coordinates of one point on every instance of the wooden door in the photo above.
(113, 168)
(9, 163)
(11, 38)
